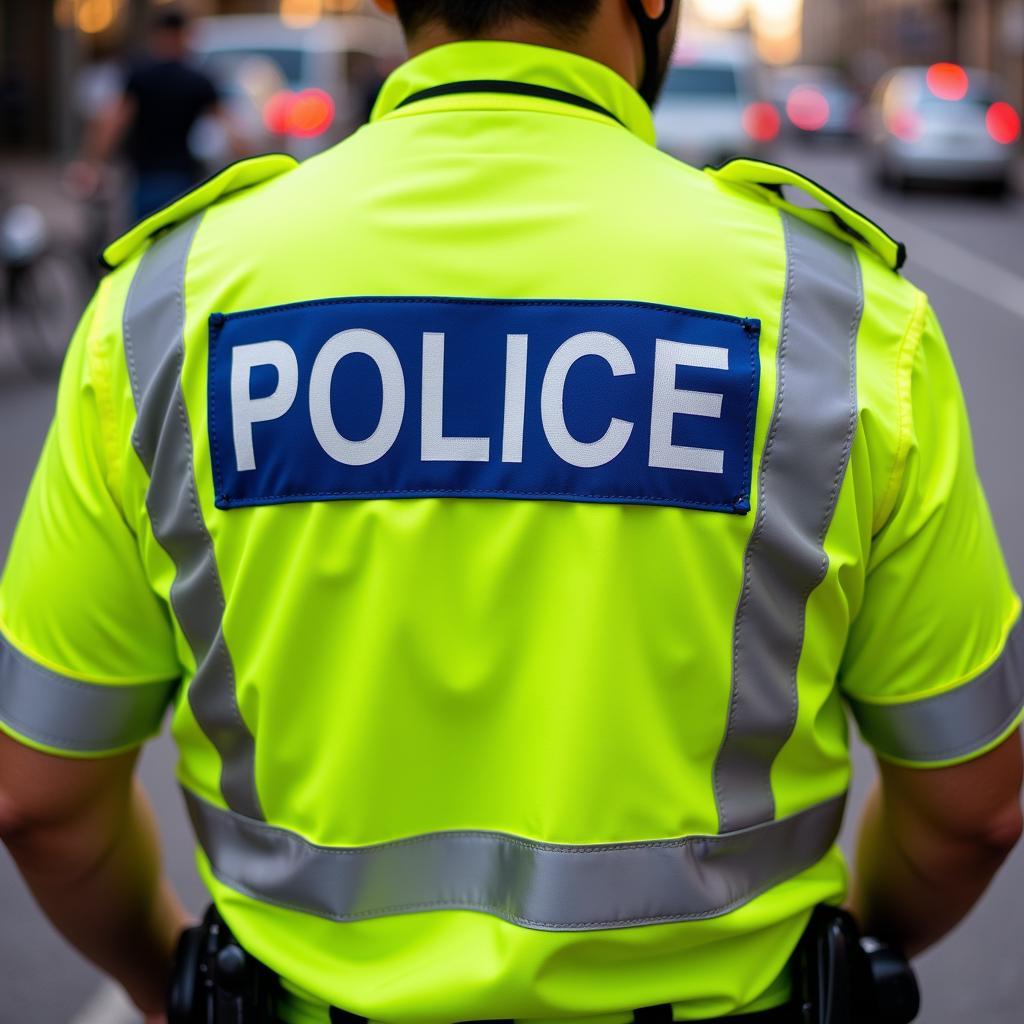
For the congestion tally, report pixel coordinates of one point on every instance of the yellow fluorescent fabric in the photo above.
(75, 597)
(760, 174)
(552, 671)
(938, 604)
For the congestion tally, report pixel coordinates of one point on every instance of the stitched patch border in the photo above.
(292, 467)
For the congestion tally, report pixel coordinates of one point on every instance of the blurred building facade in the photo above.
(29, 79)
(868, 36)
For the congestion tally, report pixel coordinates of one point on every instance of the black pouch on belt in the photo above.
(216, 982)
(840, 978)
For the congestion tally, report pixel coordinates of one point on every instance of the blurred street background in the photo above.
(907, 109)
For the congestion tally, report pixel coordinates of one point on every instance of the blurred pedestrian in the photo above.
(153, 116)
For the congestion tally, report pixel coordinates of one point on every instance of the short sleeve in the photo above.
(87, 657)
(934, 665)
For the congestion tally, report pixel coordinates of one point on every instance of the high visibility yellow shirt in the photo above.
(509, 514)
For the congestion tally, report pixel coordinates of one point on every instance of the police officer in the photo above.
(507, 513)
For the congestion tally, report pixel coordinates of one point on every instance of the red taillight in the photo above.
(808, 108)
(904, 124)
(1003, 123)
(275, 112)
(761, 122)
(311, 113)
(306, 114)
(948, 81)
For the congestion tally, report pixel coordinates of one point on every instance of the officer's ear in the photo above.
(386, 6)
(654, 8)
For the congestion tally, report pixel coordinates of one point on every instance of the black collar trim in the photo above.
(543, 92)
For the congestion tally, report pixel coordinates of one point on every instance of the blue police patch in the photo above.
(614, 402)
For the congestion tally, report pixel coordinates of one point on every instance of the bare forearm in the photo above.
(105, 893)
(913, 883)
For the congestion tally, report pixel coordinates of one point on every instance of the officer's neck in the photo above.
(610, 39)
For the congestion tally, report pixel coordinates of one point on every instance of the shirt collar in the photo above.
(519, 62)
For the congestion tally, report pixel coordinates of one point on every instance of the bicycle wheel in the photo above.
(46, 299)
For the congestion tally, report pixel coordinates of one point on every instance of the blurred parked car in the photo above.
(297, 90)
(711, 108)
(942, 124)
(815, 102)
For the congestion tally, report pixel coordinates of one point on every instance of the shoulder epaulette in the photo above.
(241, 175)
(834, 216)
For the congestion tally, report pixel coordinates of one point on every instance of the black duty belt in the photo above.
(648, 1015)
(838, 978)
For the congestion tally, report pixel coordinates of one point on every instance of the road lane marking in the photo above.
(957, 264)
(107, 1005)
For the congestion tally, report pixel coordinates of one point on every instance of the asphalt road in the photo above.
(968, 254)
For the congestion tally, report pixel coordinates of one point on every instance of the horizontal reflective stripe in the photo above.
(68, 714)
(532, 884)
(952, 724)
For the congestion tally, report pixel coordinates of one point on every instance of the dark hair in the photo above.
(170, 18)
(471, 18)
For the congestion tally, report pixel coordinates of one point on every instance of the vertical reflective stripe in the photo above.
(802, 469)
(154, 325)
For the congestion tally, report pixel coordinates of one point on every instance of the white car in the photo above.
(711, 108)
(297, 90)
(942, 124)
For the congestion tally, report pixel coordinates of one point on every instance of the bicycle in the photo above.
(42, 290)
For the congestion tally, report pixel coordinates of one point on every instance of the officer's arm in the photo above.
(88, 669)
(931, 841)
(82, 835)
(934, 668)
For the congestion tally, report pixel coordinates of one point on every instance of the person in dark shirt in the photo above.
(163, 97)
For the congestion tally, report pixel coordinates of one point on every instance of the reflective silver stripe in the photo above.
(154, 324)
(804, 461)
(535, 885)
(953, 724)
(68, 714)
